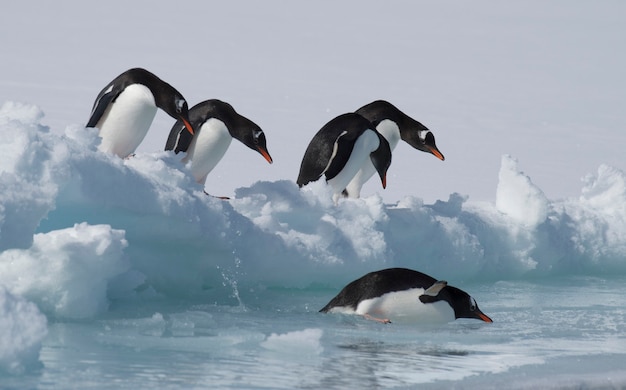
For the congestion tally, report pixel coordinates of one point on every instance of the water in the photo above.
(555, 333)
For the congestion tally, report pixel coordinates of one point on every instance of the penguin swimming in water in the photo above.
(340, 148)
(126, 107)
(216, 123)
(394, 125)
(400, 294)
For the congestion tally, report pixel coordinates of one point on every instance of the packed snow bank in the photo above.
(79, 228)
(67, 271)
(22, 328)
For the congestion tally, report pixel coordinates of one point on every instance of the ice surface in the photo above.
(22, 329)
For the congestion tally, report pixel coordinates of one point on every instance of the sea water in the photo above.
(554, 333)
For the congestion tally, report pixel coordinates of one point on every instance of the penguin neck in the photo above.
(207, 148)
(390, 130)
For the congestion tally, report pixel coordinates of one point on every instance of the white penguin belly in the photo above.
(362, 176)
(207, 148)
(126, 122)
(364, 145)
(405, 306)
(388, 129)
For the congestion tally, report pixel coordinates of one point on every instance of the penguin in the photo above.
(340, 148)
(216, 123)
(401, 294)
(126, 107)
(394, 125)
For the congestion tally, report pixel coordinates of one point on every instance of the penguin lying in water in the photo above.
(394, 125)
(216, 124)
(400, 294)
(126, 107)
(340, 148)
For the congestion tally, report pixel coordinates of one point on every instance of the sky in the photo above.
(539, 81)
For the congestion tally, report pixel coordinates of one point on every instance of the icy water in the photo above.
(554, 333)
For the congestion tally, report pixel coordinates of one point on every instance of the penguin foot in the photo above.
(381, 320)
(218, 197)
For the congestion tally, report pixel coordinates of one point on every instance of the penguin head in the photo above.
(253, 137)
(178, 109)
(173, 103)
(419, 137)
(463, 304)
(411, 131)
(244, 130)
(381, 158)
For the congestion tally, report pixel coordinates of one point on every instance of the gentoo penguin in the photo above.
(125, 109)
(394, 125)
(216, 124)
(339, 150)
(400, 294)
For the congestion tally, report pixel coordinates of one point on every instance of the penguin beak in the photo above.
(187, 125)
(437, 154)
(484, 317)
(384, 181)
(265, 154)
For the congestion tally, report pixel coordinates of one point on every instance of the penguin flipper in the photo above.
(316, 158)
(104, 99)
(179, 138)
(435, 288)
(432, 292)
(341, 154)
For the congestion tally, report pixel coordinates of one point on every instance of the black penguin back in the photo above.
(330, 148)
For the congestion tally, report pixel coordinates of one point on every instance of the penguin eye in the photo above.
(472, 304)
(423, 134)
(257, 134)
(180, 103)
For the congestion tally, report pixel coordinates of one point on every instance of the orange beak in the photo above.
(384, 180)
(265, 154)
(484, 317)
(437, 153)
(187, 125)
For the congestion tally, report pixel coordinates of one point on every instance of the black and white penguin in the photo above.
(216, 123)
(340, 149)
(404, 295)
(126, 107)
(394, 125)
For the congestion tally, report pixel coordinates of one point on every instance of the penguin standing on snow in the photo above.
(400, 294)
(126, 107)
(216, 124)
(339, 150)
(394, 125)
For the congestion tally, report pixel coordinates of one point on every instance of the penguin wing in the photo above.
(435, 288)
(378, 283)
(179, 138)
(104, 99)
(319, 156)
(341, 154)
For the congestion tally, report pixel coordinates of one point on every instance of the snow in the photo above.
(22, 329)
(106, 229)
(518, 197)
(101, 256)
